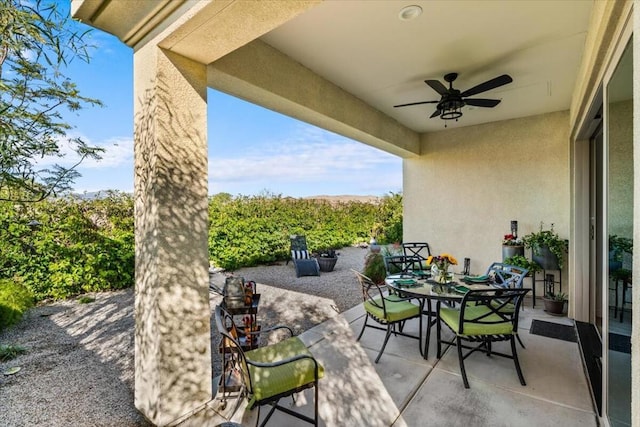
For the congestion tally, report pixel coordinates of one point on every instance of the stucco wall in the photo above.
(469, 183)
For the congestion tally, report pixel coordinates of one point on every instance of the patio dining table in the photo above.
(422, 287)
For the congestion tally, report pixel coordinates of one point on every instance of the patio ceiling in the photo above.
(364, 48)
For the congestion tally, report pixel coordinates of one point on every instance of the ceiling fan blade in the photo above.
(481, 102)
(437, 86)
(488, 85)
(435, 113)
(416, 103)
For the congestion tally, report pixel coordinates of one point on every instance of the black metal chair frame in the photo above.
(374, 294)
(496, 301)
(230, 344)
(402, 264)
(415, 249)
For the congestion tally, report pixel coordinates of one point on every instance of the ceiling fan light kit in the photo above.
(449, 107)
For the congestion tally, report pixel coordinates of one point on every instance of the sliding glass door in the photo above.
(619, 146)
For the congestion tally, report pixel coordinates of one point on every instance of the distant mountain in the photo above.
(346, 198)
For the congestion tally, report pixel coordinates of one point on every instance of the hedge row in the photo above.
(78, 246)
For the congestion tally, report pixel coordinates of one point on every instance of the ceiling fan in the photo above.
(452, 100)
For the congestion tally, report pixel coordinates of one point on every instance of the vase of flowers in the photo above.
(440, 267)
(511, 246)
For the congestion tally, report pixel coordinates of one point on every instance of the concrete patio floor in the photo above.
(404, 389)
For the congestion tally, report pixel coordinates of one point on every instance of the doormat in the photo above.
(621, 343)
(553, 330)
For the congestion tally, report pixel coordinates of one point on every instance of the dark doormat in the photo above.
(621, 343)
(553, 330)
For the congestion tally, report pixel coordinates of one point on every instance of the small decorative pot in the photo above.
(510, 250)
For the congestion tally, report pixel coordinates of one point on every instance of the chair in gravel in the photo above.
(389, 311)
(271, 372)
(305, 264)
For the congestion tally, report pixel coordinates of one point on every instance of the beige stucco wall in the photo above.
(469, 183)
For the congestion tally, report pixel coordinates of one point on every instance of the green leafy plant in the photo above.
(523, 262)
(374, 267)
(15, 299)
(9, 352)
(560, 296)
(547, 238)
(86, 299)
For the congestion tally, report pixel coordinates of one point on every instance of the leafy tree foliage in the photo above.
(246, 231)
(62, 247)
(79, 245)
(37, 41)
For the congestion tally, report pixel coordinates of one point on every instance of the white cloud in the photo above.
(310, 155)
(118, 151)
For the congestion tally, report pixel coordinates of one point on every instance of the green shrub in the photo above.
(15, 299)
(246, 231)
(8, 352)
(80, 246)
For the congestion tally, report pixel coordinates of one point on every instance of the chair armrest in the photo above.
(286, 361)
(273, 328)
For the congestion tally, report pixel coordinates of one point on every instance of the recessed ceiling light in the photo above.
(408, 13)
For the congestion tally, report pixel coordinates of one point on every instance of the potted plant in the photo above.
(548, 248)
(554, 303)
(523, 262)
(511, 246)
(327, 259)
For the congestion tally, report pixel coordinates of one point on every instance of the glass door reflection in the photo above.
(620, 233)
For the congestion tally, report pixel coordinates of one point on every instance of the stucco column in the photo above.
(635, 327)
(172, 334)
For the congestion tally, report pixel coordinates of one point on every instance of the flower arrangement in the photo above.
(511, 240)
(441, 263)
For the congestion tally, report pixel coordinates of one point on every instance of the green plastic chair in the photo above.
(483, 317)
(389, 311)
(272, 372)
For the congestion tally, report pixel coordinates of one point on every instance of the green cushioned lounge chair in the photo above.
(272, 372)
(484, 317)
(389, 311)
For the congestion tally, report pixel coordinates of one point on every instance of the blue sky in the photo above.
(252, 150)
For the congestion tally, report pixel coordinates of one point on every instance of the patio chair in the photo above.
(304, 264)
(272, 372)
(508, 276)
(390, 312)
(482, 318)
(419, 249)
(401, 264)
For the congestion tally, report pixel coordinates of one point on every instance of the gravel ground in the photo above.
(78, 369)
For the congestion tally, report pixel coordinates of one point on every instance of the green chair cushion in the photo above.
(396, 310)
(508, 308)
(451, 317)
(272, 381)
